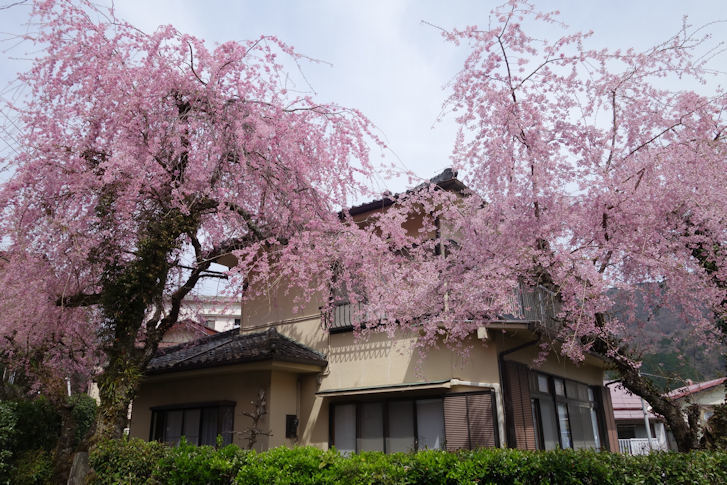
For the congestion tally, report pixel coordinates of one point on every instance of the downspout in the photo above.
(505, 388)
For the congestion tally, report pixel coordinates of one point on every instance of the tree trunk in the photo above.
(117, 387)
(684, 424)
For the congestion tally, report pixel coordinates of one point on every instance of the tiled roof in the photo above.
(693, 388)
(446, 180)
(231, 347)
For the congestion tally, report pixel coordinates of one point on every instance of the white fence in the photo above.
(640, 446)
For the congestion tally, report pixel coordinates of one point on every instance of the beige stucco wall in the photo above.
(379, 360)
(223, 384)
(284, 399)
(590, 371)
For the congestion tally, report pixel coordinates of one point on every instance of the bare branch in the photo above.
(613, 130)
(191, 64)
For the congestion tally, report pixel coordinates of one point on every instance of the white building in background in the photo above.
(220, 313)
(201, 316)
(706, 395)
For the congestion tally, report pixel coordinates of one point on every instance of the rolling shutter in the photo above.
(470, 420)
(455, 422)
(481, 420)
(518, 409)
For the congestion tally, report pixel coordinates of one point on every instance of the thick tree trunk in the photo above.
(117, 387)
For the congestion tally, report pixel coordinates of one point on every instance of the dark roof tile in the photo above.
(231, 347)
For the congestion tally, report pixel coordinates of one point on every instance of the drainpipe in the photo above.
(505, 388)
(646, 422)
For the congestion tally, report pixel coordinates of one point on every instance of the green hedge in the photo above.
(132, 461)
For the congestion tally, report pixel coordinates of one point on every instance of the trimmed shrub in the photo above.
(134, 461)
(187, 464)
(126, 461)
(28, 433)
(33, 467)
(8, 438)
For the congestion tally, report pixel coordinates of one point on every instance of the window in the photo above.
(626, 431)
(389, 426)
(455, 421)
(237, 322)
(565, 413)
(199, 424)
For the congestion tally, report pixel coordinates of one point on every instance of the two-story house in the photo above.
(324, 387)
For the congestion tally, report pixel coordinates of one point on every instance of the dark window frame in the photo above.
(565, 399)
(159, 415)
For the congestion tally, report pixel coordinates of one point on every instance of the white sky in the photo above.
(385, 61)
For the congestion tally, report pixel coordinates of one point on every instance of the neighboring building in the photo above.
(326, 388)
(200, 316)
(631, 414)
(705, 394)
(220, 313)
(185, 330)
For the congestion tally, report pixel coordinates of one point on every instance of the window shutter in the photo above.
(607, 408)
(481, 421)
(455, 422)
(519, 414)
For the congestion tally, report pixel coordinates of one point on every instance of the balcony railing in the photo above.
(640, 446)
(340, 317)
(531, 304)
(538, 304)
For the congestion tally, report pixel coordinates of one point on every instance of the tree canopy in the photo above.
(145, 159)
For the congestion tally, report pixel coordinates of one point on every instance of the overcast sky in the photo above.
(380, 57)
(383, 59)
